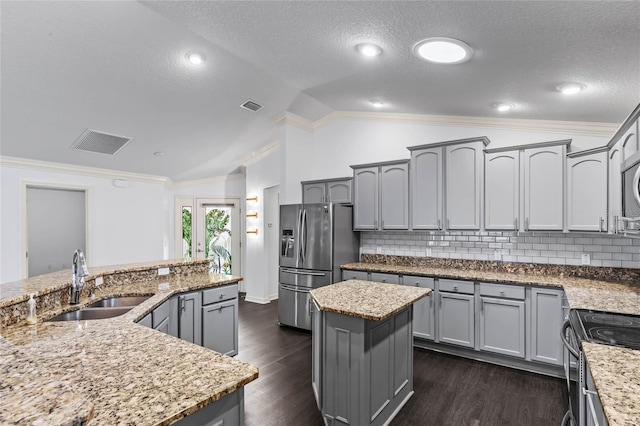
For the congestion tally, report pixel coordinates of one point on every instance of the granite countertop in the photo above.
(366, 299)
(615, 370)
(113, 371)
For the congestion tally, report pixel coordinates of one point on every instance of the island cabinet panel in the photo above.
(546, 321)
(146, 321)
(364, 368)
(190, 326)
(502, 326)
(164, 318)
(316, 353)
(227, 411)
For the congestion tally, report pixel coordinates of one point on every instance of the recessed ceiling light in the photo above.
(503, 106)
(195, 58)
(571, 88)
(376, 103)
(443, 50)
(369, 49)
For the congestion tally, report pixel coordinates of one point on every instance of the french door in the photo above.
(209, 228)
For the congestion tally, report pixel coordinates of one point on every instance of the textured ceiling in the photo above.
(118, 67)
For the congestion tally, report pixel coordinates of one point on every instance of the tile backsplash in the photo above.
(554, 248)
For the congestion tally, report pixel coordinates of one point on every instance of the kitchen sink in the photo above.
(113, 302)
(92, 314)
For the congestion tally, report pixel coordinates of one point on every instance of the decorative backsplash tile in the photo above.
(554, 248)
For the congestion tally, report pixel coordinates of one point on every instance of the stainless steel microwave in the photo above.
(631, 194)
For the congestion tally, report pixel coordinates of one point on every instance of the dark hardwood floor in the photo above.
(448, 390)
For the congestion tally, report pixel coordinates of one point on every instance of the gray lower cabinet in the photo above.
(365, 371)
(355, 275)
(220, 319)
(227, 411)
(190, 317)
(147, 321)
(424, 314)
(502, 326)
(546, 322)
(316, 353)
(164, 317)
(382, 277)
(456, 322)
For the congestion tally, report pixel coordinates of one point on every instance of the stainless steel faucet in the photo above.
(79, 272)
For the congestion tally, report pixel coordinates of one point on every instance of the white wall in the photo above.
(125, 225)
(262, 174)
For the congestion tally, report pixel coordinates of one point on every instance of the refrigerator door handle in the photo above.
(304, 236)
(315, 274)
(294, 289)
(299, 228)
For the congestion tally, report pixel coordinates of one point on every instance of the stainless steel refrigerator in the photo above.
(315, 239)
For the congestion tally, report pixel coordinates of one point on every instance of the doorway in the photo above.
(209, 228)
(55, 228)
(271, 237)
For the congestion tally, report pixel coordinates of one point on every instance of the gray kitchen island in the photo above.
(362, 338)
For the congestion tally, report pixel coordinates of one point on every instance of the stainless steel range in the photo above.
(605, 328)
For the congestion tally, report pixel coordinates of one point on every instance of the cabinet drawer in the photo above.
(423, 282)
(456, 286)
(355, 275)
(218, 294)
(501, 290)
(385, 278)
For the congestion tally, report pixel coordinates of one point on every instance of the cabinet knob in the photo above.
(455, 288)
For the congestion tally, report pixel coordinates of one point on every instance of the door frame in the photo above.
(187, 200)
(24, 227)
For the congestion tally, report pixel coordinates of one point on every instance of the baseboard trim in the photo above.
(258, 300)
(273, 297)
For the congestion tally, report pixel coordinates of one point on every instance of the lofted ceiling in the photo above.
(118, 67)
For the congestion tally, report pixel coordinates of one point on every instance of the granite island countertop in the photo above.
(366, 299)
(112, 371)
(615, 370)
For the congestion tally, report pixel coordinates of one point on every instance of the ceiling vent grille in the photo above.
(251, 106)
(100, 142)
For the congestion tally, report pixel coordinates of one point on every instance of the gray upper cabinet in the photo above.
(546, 321)
(614, 181)
(587, 191)
(427, 188)
(544, 188)
(365, 198)
(446, 184)
(381, 196)
(629, 141)
(328, 191)
(502, 190)
(463, 185)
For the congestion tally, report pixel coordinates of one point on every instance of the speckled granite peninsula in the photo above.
(110, 371)
(616, 371)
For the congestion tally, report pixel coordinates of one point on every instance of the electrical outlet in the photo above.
(586, 259)
(497, 255)
(378, 250)
(163, 271)
(99, 281)
(428, 251)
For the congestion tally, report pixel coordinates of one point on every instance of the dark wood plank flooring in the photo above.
(448, 390)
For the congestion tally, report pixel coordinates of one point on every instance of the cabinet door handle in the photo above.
(482, 305)
(601, 224)
(431, 300)
(526, 223)
(439, 227)
(515, 223)
(448, 224)
(383, 224)
(183, 305)
(375, 223)
(455, 288)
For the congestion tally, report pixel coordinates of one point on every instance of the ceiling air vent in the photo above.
(100, 143)
(251, 106)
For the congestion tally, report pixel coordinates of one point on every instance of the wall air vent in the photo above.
(100, 142)
(251, 106)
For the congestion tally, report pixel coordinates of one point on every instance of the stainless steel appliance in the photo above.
(315, 239)
(607, 328)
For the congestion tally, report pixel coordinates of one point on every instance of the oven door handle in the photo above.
(563, 336)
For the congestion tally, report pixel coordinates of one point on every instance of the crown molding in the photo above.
(48, 166)
(296, 121)
(205, 181)
(264, 152)
(562, 127)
